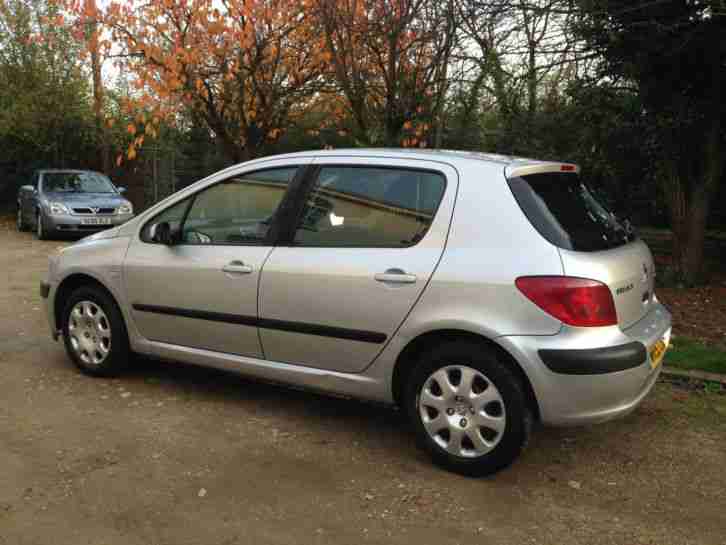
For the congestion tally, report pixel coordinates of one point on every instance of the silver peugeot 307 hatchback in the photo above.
(480, 293)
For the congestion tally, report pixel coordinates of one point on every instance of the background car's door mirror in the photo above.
(27, 188)
(162, 233)
(121, 189)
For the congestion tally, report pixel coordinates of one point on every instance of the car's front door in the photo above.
(367, 240)
(201, 291)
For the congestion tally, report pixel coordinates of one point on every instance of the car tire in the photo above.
(94, 332)
(477, 427)
(40, 232)
(20, 222)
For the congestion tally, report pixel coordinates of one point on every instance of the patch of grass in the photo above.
(689, 354)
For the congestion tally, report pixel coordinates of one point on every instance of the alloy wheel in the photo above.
(462, 411)
(90, 332)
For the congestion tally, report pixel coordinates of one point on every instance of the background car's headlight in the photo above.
(125, 209)
(57, 208)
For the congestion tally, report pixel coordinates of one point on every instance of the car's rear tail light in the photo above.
(574, 301)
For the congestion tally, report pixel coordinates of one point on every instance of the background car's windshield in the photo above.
(77, 182)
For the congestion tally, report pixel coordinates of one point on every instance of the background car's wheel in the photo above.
(40, 231)
(94, 332)
(467, 408)
(20, 222)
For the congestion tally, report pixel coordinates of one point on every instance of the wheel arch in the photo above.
(72, 282)
(408, 357)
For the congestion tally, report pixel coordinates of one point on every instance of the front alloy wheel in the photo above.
(94, 332)
(89, 332)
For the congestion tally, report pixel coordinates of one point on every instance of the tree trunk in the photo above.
(98, 87)
(689, 211)
(692, 254)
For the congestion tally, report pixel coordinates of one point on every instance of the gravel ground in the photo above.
(174, 454)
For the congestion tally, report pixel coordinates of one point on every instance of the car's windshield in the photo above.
(77, 182)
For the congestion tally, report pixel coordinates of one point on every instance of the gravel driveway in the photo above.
(174, 454)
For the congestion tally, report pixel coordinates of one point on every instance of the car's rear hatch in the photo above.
(593, 242)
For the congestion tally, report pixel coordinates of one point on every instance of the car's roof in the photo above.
(449, 156)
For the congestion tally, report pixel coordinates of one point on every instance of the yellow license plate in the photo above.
(657, 352)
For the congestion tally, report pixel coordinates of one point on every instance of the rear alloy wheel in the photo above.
(462, 411)
(94, 332)
(468, 409)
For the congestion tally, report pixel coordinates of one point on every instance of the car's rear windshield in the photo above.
(77, 182)
(567, 212)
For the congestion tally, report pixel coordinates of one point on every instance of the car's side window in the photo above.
(352, 206)
(238, 210)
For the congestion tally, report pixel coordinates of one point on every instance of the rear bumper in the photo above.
(594, 361)
(74, 224)
(590, 375)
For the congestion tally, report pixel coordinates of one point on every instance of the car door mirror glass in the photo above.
(162, 233)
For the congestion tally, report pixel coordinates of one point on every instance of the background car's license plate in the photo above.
(96, 221)
(657, 352)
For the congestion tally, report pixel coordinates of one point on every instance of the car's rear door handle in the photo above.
(237, 267)
(396, 276)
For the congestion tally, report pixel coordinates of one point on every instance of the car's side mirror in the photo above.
(121, 189)
(162, 233)
(28, 188)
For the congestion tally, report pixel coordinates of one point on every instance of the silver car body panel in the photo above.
(191, 278)
(337, 286)
(584, 399)
(628, 271)
(161, 276)
(487, 242)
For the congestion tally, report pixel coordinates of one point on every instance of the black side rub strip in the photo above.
(595, 361)
(267, 323)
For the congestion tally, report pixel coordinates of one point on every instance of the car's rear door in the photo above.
(202, 291)
(367, 239)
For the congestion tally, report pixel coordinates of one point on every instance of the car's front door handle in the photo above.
(237, 267)
(395, 276)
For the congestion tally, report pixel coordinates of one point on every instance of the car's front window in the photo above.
(238, 210)
(77, 182)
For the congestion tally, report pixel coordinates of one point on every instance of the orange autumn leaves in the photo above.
(249, 69)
